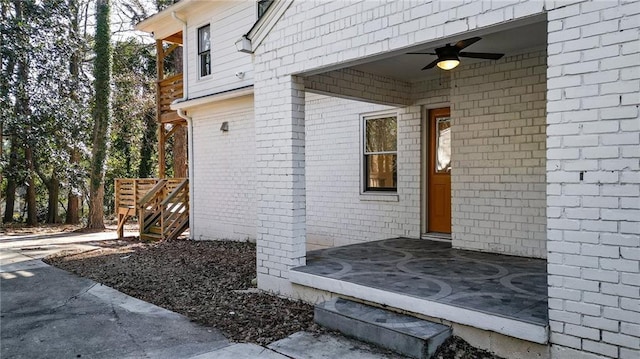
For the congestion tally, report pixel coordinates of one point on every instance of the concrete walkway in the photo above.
(46, 312)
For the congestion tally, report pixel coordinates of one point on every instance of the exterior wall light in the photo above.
(225, 126)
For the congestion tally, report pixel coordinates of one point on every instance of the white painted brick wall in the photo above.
(337, 214)
(333, 32)
(593, 191)
(280, 180)
(498, 169)
(358, 85)
(224, 171)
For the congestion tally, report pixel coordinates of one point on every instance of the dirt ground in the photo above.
(10, 230)
(211, 283)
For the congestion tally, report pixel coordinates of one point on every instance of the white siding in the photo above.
(229, 20)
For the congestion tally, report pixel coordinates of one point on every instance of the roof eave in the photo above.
(263, 26)
(155, 21)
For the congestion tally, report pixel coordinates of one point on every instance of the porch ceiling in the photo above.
(407, 68)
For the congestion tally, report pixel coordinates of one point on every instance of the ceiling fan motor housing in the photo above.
(447, 53)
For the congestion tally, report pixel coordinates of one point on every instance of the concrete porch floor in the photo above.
(502, 293)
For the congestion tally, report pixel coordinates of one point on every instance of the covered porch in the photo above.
(333, 225)
(501, 293)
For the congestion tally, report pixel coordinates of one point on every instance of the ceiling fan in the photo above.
(449, 55)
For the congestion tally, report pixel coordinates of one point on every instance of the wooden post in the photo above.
(161, 136)
(161, 151)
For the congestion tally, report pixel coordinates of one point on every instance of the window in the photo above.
(380, 153)
(204, 50)
(263, 5)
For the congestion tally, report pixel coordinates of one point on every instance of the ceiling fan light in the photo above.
(448, 64)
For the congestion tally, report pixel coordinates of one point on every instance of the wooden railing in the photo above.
(169, 90)
(150, 209)
(175, 211)
(161, 205)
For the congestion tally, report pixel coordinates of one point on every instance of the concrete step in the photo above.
(410, 336)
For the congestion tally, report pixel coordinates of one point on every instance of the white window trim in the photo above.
(210, 75)
(384, 196)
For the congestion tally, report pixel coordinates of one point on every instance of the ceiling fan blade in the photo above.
(481, 55)
(466, 42)
(431, 65)
(421, 53)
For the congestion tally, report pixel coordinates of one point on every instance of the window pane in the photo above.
(204, 41)
(381, 172)
(381, 134)
(443, 145)
(205, 64)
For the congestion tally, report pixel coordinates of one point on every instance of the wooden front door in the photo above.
(439, 171)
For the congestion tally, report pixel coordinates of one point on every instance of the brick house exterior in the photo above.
(545, 147)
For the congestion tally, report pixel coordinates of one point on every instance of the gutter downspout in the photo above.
(185, 96)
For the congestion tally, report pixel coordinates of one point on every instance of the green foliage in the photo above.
(163, 4)
(133, 112)
(43, 105)
(47, 102)
(102, 87)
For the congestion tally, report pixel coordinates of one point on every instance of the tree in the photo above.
(41, 118)
(101, 114)
(22, 110)
(133, 105)
(78, 95)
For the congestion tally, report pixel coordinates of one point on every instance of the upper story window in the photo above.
(380, 153)
(263, 5)
(204, 50)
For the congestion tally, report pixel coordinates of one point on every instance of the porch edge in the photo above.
(509, 327)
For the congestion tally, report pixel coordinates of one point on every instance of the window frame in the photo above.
(259, 7)
(364, 174)
(203, 53)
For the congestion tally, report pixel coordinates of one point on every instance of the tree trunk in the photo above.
(180, 152)
(73, 199)
(12, 184)
(101, 114)
(145, 170)
(53, 187)
(96, 200)
(53, 192)
(180, 157)
(32, 212)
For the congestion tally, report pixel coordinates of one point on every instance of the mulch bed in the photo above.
(457, 348)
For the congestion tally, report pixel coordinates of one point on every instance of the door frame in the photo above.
(424, 165)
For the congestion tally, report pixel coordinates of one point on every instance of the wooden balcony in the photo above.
(161, 206)
(169, 90)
